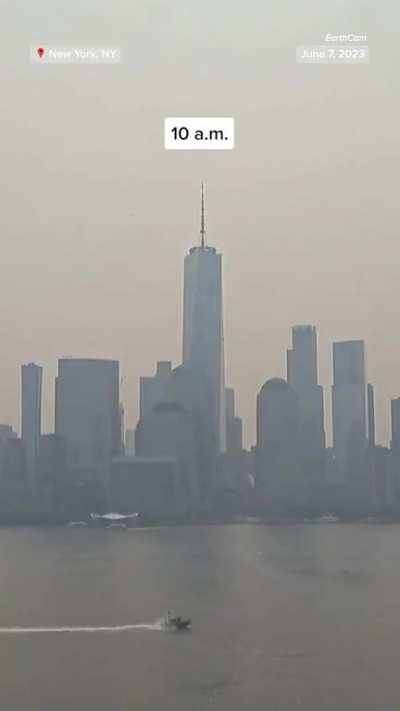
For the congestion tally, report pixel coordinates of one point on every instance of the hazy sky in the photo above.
(96, 216)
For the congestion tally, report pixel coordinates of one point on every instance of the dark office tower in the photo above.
(371, 415)
(277, 437)
(152, 388)
(203, 342)
(31, 414)
(87, 414)
(349, 412)
(302, 375)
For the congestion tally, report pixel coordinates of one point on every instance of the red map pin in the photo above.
(40, 51)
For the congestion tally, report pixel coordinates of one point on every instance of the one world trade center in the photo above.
(203, 338)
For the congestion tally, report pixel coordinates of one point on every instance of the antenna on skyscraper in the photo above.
(203, 222)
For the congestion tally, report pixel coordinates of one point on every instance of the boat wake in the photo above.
(157, 626)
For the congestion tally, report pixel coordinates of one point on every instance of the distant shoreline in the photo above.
(240, 521)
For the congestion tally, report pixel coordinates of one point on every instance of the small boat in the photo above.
(113, 516)
(76, 524)
(328, 518)
(182, 623)
(178, 623)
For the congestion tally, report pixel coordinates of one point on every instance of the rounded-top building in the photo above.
(277, 439)
(277, 414)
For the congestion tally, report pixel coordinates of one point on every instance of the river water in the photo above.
(284, 617)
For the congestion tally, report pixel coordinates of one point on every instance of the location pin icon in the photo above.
(40, 52)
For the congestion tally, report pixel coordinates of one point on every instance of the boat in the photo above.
(76, 524)
(328, 518)
(113, 516)
(177, 623)
(114, 520)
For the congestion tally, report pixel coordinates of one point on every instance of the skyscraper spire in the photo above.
(203, 224)
(203, 345)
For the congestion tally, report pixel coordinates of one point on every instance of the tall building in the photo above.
(162, 432)
(277, 438)
(302, 375)
(31, 413)
(203, 340)
(302, 360)
(152, 388)
(349, 410)
(169, 430)
(87, 413)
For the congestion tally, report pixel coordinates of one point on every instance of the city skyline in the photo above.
(382, 411)
(348, 369)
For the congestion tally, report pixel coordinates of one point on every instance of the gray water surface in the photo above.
(285, 617)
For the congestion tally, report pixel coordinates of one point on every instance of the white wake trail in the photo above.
(156, 626)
